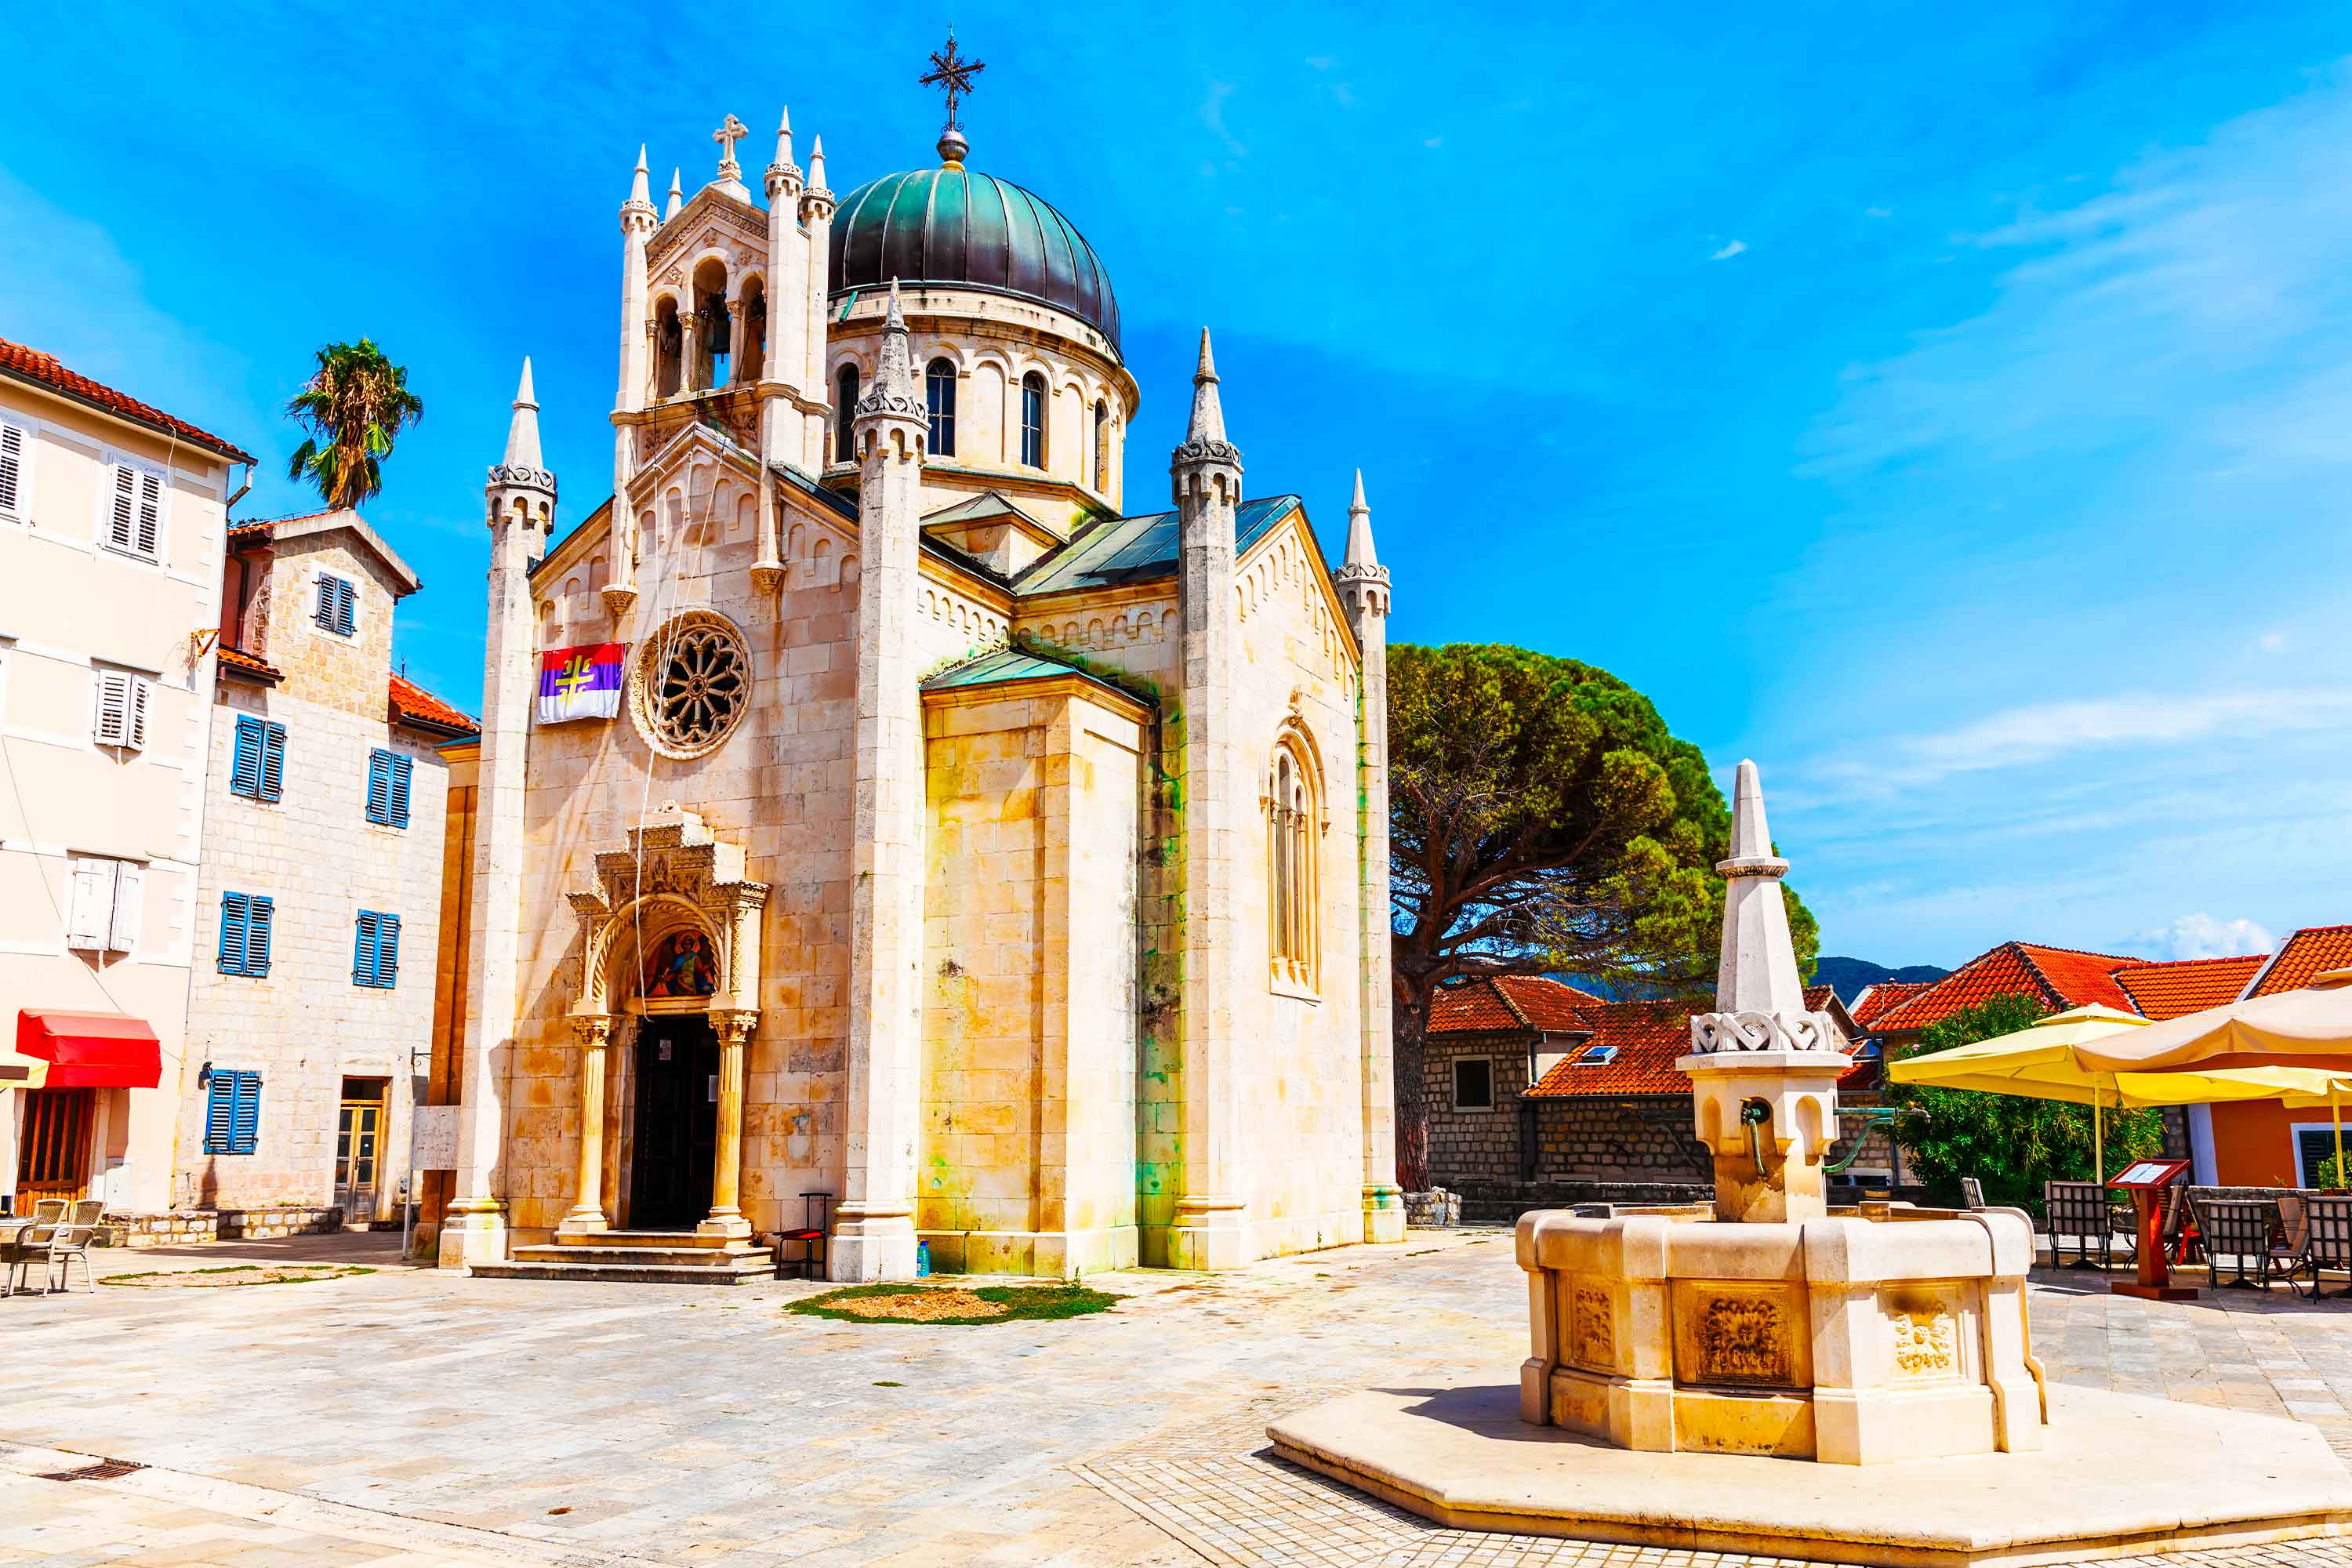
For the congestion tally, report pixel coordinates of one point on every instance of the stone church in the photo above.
(960, 854)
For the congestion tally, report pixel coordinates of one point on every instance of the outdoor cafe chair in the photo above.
(2084, 1211)
(26, 1239)
(1972, 1193)
(2240, 1229)
(2327, 1245)
(810, 1234)
(67, 1241)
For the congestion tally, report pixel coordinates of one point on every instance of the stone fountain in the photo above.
(1679, 1358)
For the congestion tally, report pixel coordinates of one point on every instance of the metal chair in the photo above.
(1972, 1193)
(2239, 1229)
(812, 1236)
(2082, 1210)
(68, 1240)
(2326, 1245)
(47, 1212)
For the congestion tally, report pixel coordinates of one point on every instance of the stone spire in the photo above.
(676, 196)
(522, 430)
(1758, 966)
(1362, 562)
(893, 388)
(1205, 437)
(817, 168)
(1364, 584)
(783, 167)
(640, 198)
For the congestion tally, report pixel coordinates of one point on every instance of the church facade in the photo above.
(1002, 860)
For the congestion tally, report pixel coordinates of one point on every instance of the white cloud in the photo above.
(2201, 936)
(1212, 115)
(1878, 211)
(2271, 642)
(1434, 141)
(2043, 731)
(1737, 247)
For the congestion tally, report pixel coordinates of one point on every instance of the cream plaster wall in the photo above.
(69, 608)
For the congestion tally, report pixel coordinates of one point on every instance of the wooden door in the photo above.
(53, 1152)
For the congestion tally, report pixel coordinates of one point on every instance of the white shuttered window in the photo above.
(119, 712)
(15, 471)
(134, 520)
(106, 900)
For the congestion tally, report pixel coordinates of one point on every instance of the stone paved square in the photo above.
(411, 1417)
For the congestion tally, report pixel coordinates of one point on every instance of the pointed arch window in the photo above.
(1294, 825)
(939, 396)
(1033, 420)
(845, 414)
(1102, 448)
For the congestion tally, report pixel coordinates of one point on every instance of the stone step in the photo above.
(661, 1241)
(653, 1257)
(751, 1266)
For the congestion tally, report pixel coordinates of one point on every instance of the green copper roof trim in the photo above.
(1125, 548)
(1006, 666)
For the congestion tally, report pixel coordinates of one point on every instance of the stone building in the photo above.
(958, 840)
(1542, 1094)
(320, 890)
(111, 519)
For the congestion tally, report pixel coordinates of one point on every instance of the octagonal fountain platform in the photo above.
(1772, 1377)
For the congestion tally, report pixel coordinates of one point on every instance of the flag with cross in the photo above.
(580, 682)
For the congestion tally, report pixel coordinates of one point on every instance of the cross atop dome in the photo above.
(954, 73)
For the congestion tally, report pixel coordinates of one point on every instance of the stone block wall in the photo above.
(306, 1025)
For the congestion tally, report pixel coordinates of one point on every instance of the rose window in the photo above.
(694, 682)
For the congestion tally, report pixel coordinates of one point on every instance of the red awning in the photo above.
(91, 1050)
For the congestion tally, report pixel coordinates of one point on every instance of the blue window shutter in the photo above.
(387, 951)
(244, 1114)
(218, 1105)
(244, 770)
(363, 953)
(325, 614)
(236, 911)
(345, 599)
(379, 788)
(273, 761)
(256, 935)
(400, 767)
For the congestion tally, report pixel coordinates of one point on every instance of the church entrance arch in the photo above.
(674, 1140)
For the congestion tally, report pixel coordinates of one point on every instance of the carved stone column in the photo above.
(727, 1170)
(594, 1031)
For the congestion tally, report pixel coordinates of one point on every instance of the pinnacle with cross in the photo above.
(954, 73)
(726, 135)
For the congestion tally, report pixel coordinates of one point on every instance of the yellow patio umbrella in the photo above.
(2050, 1060)
(2338, 1085)
(18, 1070)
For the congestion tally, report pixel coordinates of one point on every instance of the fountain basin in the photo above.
(1849, 1338)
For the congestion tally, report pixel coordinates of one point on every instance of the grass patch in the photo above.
(220, 1277)
(952, 1304)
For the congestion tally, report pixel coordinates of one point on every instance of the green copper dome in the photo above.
(955, 227)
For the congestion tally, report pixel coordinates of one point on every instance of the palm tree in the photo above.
(356, 405)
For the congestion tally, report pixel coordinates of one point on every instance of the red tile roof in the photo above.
(1878, 1000)
(1648, 1036)
(413, 702)
(2162, 991)
(1508, 1003)
(237, 658)
(43, 370)
(2312, 951)
(2058, 977)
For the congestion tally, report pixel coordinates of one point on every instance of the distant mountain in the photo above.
(1848, 976)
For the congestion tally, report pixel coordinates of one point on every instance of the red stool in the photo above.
(812, 1235)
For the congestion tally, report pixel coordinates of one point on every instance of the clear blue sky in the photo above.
(1953, 411)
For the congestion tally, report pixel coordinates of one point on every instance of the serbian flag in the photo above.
(580, 682)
